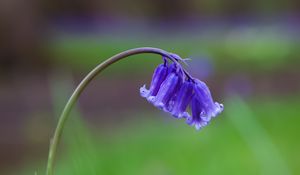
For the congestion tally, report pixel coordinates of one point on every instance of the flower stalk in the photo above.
(74, 97)
(172, 89)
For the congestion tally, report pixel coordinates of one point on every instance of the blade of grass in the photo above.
(79, 148)
(262, 146)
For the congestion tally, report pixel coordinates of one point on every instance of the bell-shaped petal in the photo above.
(158, 77)
(197, 119)
(210, 108)
(166, 91)
(183, 99)
(170, 105)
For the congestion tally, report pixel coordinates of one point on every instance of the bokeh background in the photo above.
(247, 52)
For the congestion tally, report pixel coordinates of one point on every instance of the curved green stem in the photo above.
(74, 97)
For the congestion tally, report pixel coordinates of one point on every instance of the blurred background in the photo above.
(247, 52)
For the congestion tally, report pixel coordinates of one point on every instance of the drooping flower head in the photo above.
(175, 91)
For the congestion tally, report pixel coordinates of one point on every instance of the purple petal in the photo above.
(183, 99)
(197, 118)
(172, 68)
(166, 91)
(210, 108)
(158, 77)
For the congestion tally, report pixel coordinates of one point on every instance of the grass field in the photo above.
(258, 137)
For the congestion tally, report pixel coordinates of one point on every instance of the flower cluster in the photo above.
(174, 91)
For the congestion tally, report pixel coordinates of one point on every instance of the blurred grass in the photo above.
(152, 146)
(253, 49)
(169, 147)
(255, 135)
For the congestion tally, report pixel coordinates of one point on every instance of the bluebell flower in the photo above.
(182, 100)
(167, 90)
(158, 77)
(174, 91)
(202, 105)
(197, 119)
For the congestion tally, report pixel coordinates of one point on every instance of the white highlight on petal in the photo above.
(183, 115)
(198, 126)
(218, 109)
(151, 99)
(159, 105)
(144, 92)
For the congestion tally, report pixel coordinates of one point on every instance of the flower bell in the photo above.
(211, 108)
(159, 76)
(197, 119)
(202, 105)
(182, 100)
(167, 91)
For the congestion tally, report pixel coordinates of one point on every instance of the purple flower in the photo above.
(197, 118)
(167, 90)
(182, 100)
(202, 105)
(202, 93)
(174, 91)
(159, 76)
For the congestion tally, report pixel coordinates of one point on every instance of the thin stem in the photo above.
(74, 97)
